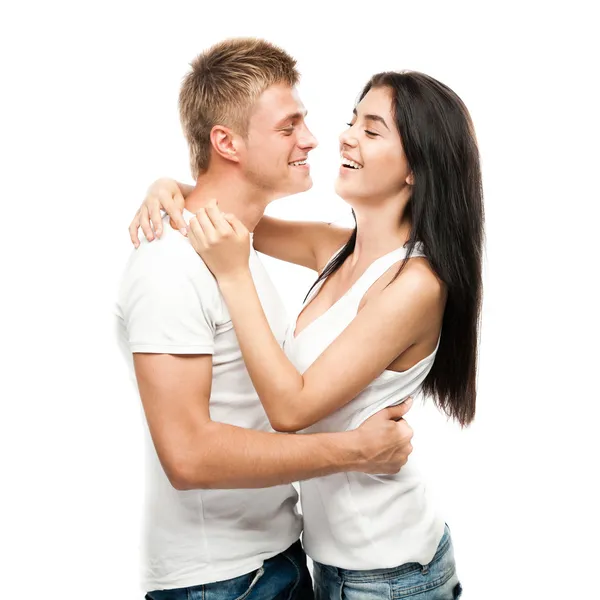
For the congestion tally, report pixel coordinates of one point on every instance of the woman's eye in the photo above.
(371, 133)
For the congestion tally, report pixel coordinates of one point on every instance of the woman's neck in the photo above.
(381, 229)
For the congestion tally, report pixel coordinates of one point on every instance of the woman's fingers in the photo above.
(208, 229)
(221, 225)
(196, 235)
(236, 224)
(153, 208)
(145, 223)
(133, 230)
(176, 213)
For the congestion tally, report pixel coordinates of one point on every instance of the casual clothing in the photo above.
(283, 577)
(436, 580)
(169, 303)
(355, 520)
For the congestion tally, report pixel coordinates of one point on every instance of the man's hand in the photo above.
(385, 440)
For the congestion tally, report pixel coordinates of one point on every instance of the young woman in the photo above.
(395, 309)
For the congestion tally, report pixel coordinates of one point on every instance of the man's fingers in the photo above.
(133, 230)
(397, 412)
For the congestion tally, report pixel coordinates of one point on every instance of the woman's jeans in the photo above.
(434, 581)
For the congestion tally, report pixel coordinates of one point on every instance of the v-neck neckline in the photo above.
(295, 333)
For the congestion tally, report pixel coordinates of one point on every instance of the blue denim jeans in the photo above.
(283, 577)
(434, 581)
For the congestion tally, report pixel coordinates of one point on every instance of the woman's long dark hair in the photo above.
(446, 215)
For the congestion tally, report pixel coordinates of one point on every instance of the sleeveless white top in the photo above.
(354, 520)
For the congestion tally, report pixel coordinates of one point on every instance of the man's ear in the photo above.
(224, 142)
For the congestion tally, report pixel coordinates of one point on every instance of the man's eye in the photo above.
(288, 130)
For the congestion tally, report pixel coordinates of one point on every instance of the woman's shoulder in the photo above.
(417, 280)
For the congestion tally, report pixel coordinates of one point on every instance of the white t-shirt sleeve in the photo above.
(170, 303)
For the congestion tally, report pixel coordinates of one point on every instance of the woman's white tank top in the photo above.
(354, 520)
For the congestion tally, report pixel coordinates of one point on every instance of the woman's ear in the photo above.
(410, 179)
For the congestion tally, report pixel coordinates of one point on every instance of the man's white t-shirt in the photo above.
(169, 303)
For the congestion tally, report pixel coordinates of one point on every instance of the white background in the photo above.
(89, 119)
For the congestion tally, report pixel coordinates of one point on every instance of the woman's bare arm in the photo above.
(306, 243)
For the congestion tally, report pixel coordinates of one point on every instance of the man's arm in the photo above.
(196, 452)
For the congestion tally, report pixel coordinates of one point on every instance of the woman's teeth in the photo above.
(350, 163)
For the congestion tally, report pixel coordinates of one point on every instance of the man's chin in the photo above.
(308, 185)
(295, 188)
(304, 186)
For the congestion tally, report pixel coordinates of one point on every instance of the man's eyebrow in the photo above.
(292, 117)
(373, 118)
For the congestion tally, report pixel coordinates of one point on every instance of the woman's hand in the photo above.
(222, 241)
(163, 194)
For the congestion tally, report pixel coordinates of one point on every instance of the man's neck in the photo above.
(233, 194)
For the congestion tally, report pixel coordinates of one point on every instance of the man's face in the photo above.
(278, 143)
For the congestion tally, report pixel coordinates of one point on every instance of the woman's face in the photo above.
(374, 165)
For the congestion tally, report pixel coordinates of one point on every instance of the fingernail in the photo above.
(183, 231)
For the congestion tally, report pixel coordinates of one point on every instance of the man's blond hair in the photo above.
(222, 87)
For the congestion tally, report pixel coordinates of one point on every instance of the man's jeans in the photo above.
(283, 577)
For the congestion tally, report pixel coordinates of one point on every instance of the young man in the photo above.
(221, 518)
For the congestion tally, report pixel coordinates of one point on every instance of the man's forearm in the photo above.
(227, 457)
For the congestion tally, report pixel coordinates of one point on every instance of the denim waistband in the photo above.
(391, 573)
